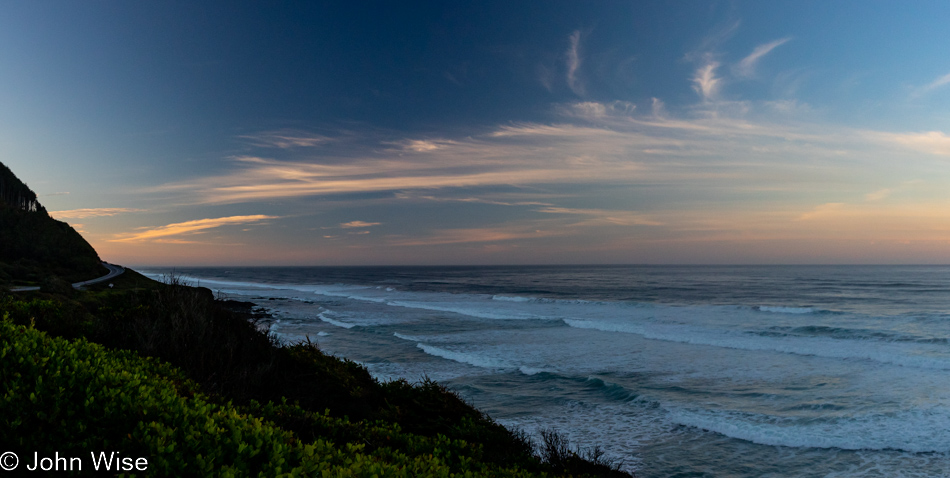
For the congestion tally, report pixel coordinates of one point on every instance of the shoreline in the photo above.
(469, 331)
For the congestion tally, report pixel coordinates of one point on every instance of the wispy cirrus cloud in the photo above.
(717, 37)
(822, 210)
(658, 108)
(593, 110)
(870, 220)
(746, 67)
(164, 233)
(478, 235)
(902, 188)
(574, 64)
(933, 142)
(423, 145)
(91, 212)
(732, 175)
(473, 200)
(510, 155)
(269, 179)
(933, 85)
(878, 195)
(605, 216)
(358, 224)
(705, 81)
(286, 139)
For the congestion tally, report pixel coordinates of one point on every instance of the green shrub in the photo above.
(75, 397)
(58, 317)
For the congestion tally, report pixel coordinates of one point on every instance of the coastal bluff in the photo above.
(34, 247)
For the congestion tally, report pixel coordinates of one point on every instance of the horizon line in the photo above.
(559, 265)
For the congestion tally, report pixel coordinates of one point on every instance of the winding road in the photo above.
(114, 271)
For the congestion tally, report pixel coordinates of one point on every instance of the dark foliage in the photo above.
(555, 449)
(182, 325)
(57, 316)
(428, 408)
(34, 246)
(15, 194)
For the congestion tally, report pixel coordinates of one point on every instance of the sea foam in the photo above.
(786, 310)
(339, 323)
(903, 354)
(467, 358)
(913, 431)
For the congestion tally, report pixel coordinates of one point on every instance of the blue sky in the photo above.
(231, 133)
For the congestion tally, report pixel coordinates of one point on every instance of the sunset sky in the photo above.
(335, 133)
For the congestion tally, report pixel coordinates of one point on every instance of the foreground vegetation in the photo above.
(164, 371)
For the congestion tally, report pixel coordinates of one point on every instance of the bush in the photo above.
(57, 317)
(556, 450)
(74, 397)
(181, 324)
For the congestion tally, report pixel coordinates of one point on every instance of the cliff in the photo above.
(34, 246)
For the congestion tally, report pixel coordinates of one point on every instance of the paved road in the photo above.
(113, 272)
(23, 289)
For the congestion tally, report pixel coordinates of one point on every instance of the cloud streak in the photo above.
(878, 195)
(605, 217)
(478, 235)
(358, 224)
(286, 139)
(574, 64)
(423, 146)
(162, 233)
(746, 67)
(938, 83)
(91, 212)
(610, 144)
(705, 81)
(712, 176)
(933, 142)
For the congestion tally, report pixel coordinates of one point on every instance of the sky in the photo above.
(401, 133)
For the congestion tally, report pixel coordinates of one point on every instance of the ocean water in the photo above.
(745, 371)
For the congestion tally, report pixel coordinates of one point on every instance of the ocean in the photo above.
(675, 371)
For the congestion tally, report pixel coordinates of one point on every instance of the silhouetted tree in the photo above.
(32, 244)
(16, 194)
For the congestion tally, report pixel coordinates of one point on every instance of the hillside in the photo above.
(35, 248)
